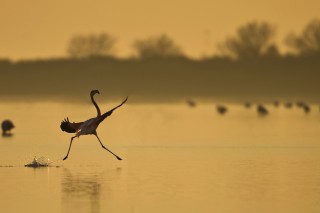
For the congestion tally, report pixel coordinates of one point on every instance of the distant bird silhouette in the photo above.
(300, 103)
(191, 103)
(247, 104)
(306, 108)
(288, 105)
(6, 126)
(262, 110)
(221, 109)
(88, 127)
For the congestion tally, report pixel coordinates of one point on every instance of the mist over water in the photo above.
(176, 158)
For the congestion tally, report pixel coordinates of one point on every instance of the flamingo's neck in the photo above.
(96, 105)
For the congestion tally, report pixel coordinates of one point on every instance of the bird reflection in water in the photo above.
(84, 191)
(80, 191)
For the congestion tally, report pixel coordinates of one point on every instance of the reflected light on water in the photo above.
(175, 159)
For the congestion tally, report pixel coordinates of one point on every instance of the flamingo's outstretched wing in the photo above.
(110, 111)
(66, 126)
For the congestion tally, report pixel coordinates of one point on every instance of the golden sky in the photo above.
(42, 28)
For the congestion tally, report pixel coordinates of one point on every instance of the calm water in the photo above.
(175, 159)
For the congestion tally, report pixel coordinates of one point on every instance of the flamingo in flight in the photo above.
(88, 127)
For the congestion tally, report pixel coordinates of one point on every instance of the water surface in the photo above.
(175, 159)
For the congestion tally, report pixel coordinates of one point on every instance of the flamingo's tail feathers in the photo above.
(69, 127)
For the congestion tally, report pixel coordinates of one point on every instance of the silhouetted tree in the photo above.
(157, 47)
(252, 40)
(86, 46)
(308, 42)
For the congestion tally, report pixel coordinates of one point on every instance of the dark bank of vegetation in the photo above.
(249, 67)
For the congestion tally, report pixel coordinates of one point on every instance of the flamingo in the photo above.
(191, 103)
(88, 127)
(247, 104)
(222, 109)
(304, 106)
(262, 110)
(6, 126)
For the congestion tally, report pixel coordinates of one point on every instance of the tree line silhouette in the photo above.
(248, 67)
(252, 40)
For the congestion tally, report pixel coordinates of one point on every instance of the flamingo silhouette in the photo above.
(6, 126)
(262, 110)
(88, 127)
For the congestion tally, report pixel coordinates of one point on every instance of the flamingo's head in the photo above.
(93, 92)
